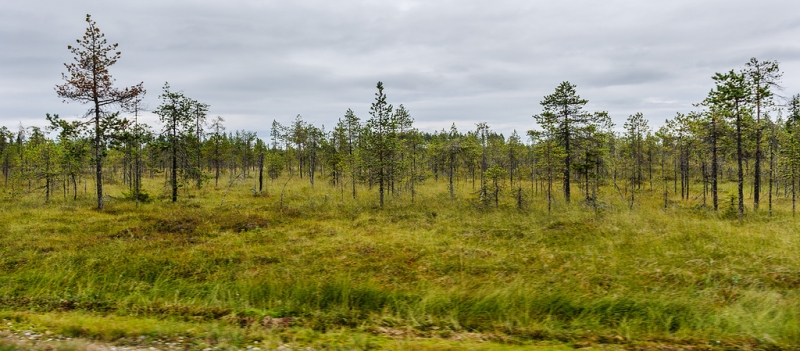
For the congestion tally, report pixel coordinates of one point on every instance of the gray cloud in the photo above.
(446, 61)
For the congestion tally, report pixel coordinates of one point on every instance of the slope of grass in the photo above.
(322, 264)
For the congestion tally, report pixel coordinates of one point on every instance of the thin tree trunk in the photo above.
(705, 184)
(47, 176)
(739, 159)
(714, 164)
(261, 172)
(757, 179)
(413, 171)
(450, 175)
(567, 165)
(74, 188)
(664, 177)
(174, 171)
(772, 147)
(794, 193)
(549, 181)
(98, 153)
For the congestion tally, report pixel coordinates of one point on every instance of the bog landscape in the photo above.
(372, 234)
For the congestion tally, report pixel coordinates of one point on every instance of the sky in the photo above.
(447, 62)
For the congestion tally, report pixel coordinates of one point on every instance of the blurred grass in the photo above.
(439, 267)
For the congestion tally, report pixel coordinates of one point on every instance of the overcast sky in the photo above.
(448, 62)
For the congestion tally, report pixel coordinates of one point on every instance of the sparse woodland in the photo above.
(743, 134)
(570, 231)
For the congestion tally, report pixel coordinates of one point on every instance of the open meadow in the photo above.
(299, 267)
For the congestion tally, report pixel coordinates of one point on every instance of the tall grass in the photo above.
(329, 262)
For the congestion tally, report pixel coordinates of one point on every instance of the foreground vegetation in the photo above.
(312, 268)
(377, 235)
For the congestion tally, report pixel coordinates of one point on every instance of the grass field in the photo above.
(329, 272)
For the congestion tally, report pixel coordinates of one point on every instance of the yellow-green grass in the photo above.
(79, 329)
(324, 265)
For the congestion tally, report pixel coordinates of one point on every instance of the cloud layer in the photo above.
(447, 61)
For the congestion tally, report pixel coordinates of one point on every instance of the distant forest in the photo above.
(742, 135)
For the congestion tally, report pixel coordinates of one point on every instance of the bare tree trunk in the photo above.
(413, 171)
(74, 188)
(451, 174)
(260, 172)
(705, 184)
(174, 171)
(664, 177)
(740, 171)
(216, 168)
(714, 164)
(757, 179)
(98, 153)
(567, 165)
(675, 171)
(47, 176)
(6, 169)
(794, 192)
(496, 192)
(772, 148)
(199, 154)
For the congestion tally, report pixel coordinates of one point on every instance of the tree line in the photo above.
(743, 132)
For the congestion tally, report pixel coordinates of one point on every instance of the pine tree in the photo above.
(6, 145)
(89, 82)
(732, 91)
(714, 123)
(217, 141)
(353, 128)
(381, 140)
(198, 112)
(175, 112)
(563, 113)
(73, 148)
(791, 151)
(636, 128)
(763, 77)
(667, 146)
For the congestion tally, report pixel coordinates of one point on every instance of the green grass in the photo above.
(330, 270)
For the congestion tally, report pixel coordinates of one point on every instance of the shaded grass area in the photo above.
(437, 268)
